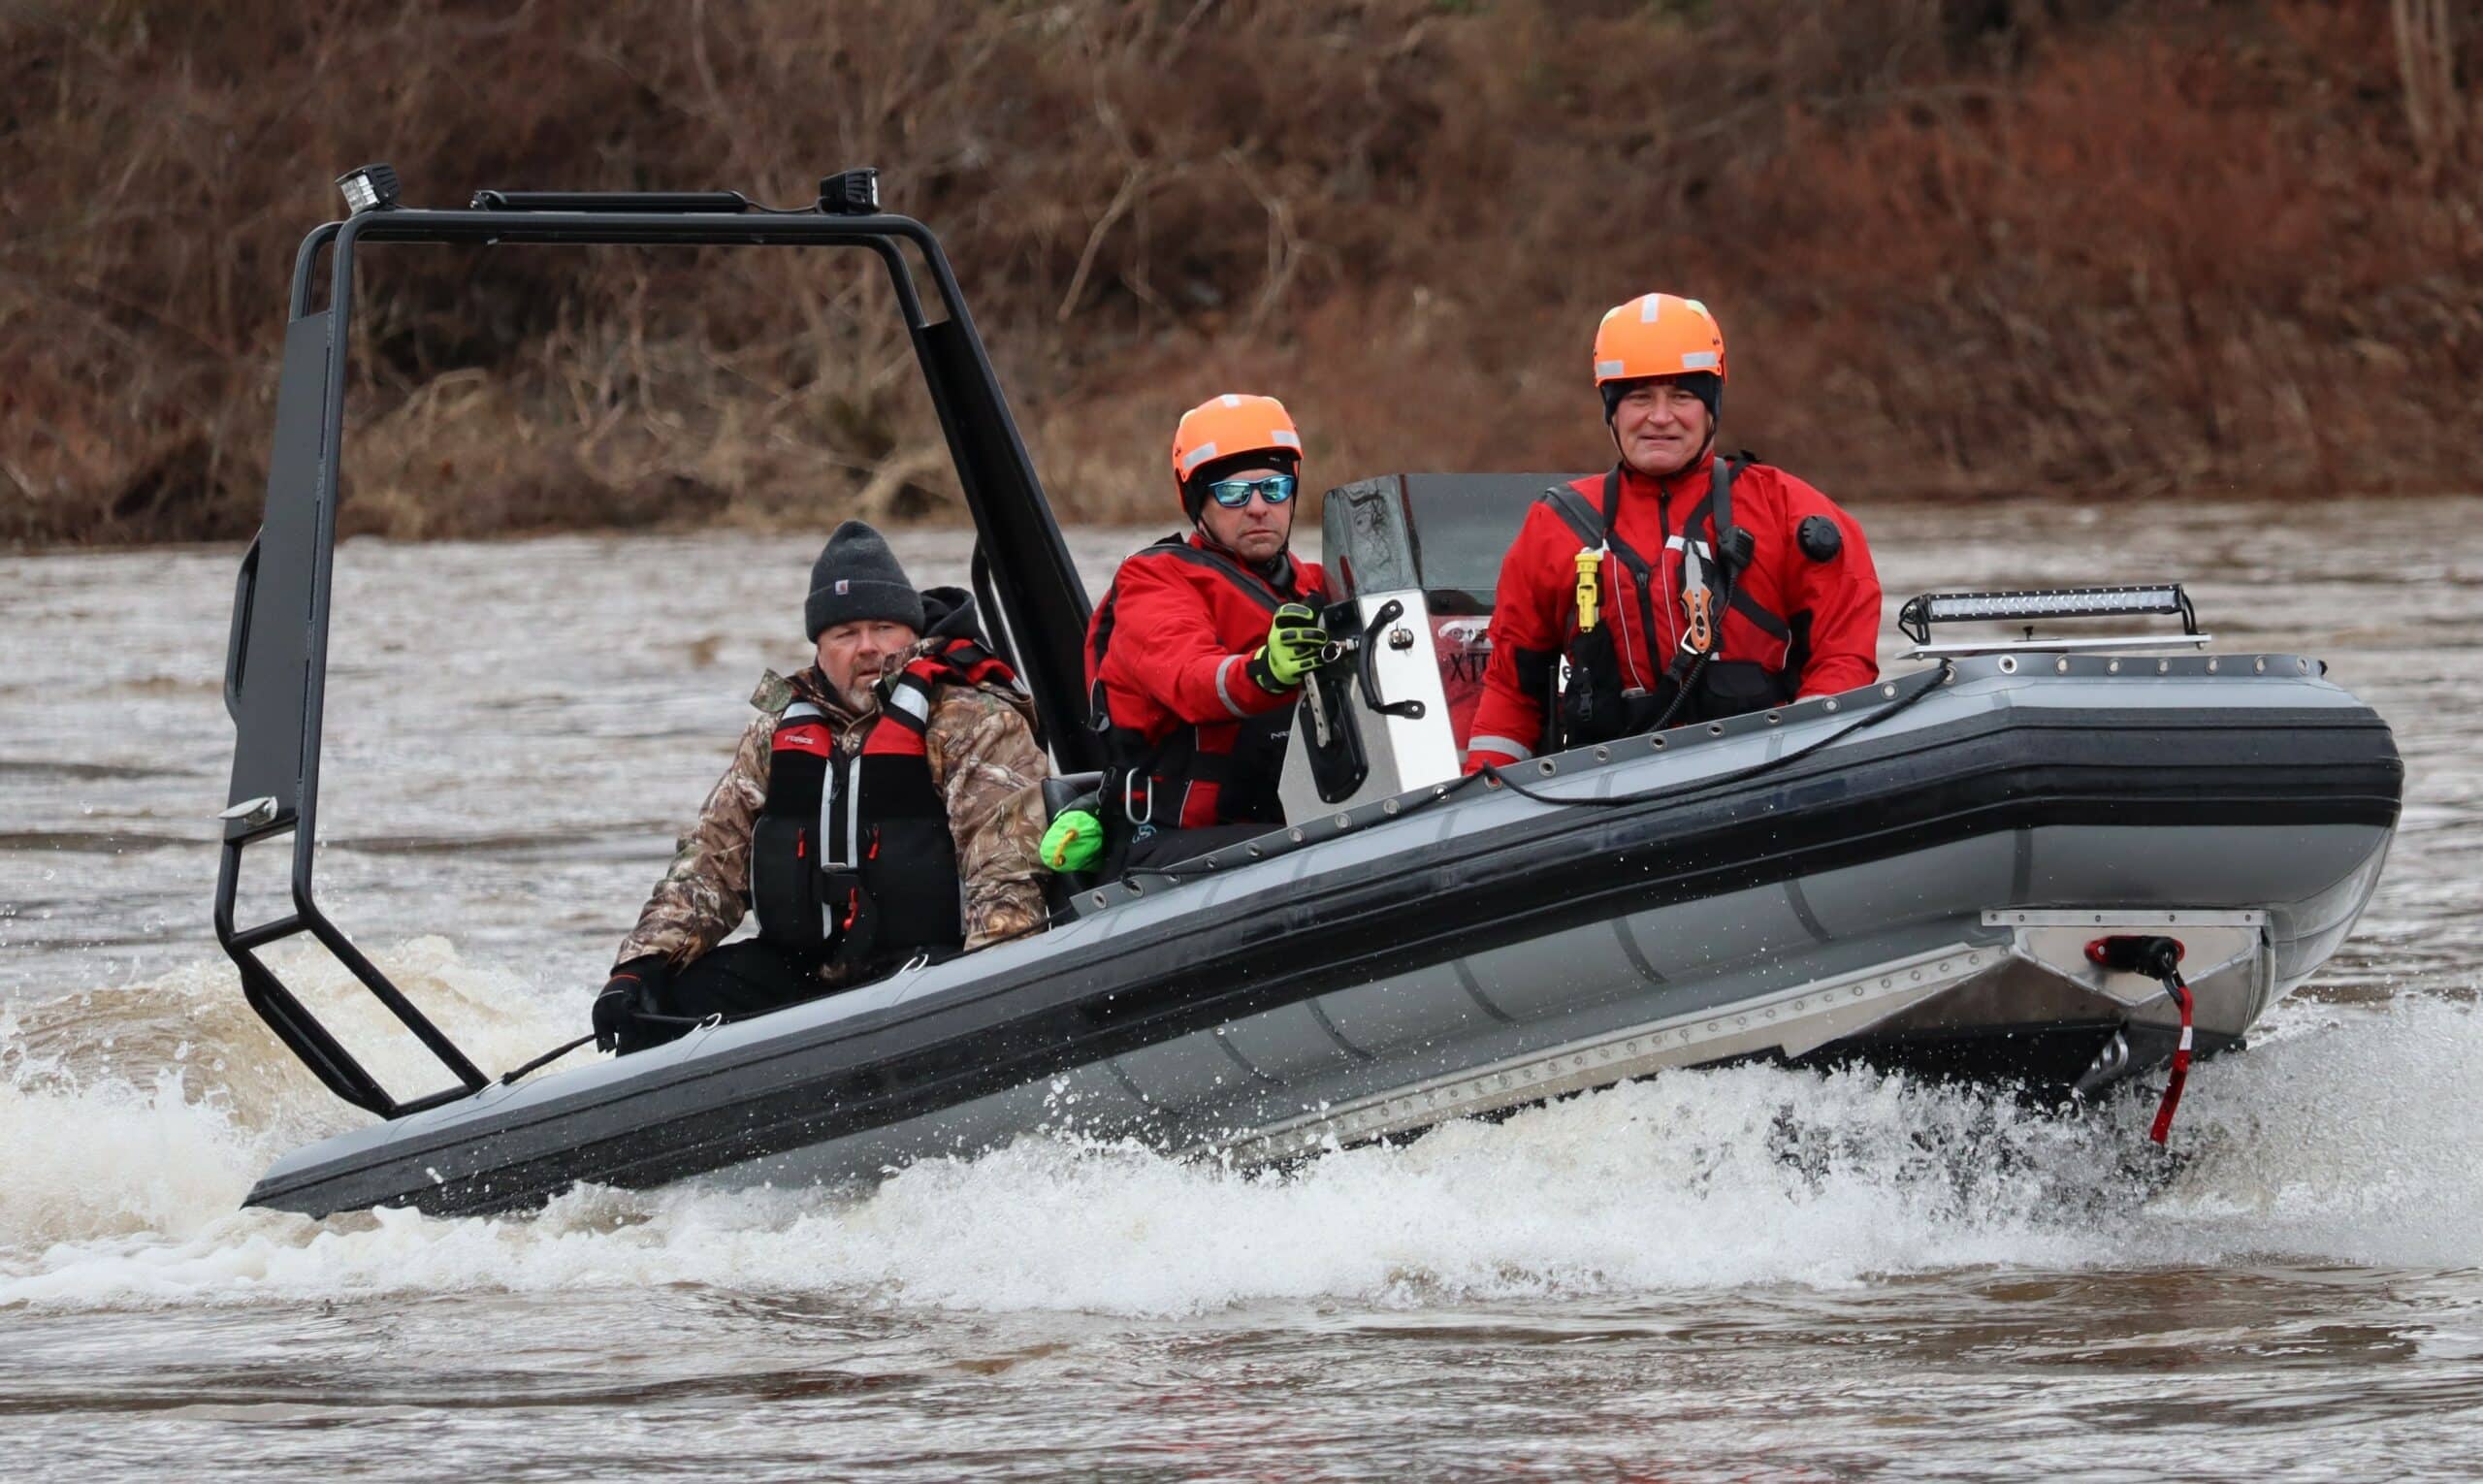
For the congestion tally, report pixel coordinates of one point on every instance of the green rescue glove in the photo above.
(1295, 641)
(1073, 841)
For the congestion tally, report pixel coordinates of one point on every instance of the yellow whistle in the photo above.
(1590, 587)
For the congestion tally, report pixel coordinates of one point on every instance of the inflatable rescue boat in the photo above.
(2059, 862)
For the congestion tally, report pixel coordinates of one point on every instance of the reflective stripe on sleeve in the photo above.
(1224, 693)
(1517, 752)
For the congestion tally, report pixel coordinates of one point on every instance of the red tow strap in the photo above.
(2174, 986)
(2159, 958)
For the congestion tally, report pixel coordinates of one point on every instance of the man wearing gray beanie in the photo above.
(857, 577)
(884, 803)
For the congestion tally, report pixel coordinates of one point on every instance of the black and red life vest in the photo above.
(852, 863)
(1700, 562)
(1183, 775)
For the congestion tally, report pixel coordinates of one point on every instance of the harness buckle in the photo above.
(1129, 799)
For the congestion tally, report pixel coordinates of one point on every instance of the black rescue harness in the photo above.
(852, 864)
(1597, 703)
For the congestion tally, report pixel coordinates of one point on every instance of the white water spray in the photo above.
(132, 1122)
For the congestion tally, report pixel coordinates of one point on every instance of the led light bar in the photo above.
(368, 188)
(852, 193)
(1925, 609)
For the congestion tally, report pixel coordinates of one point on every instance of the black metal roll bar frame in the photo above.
(276, 653)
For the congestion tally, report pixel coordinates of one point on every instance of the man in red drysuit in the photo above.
(1679, 587)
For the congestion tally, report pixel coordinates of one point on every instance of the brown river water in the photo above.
(1750, 1274)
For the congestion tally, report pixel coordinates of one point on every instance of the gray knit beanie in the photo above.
(1706, 386)
(856, 577)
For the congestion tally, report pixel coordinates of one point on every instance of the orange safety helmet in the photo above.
(1235, 423)
(1658, 335)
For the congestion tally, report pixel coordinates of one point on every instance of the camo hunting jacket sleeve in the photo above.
(987, 767)
(704, 893)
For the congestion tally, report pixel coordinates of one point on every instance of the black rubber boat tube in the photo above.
(1872, 800)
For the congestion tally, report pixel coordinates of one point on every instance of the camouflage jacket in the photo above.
(983, 761)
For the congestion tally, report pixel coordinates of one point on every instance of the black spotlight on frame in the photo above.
(852, 193)
(369, 189)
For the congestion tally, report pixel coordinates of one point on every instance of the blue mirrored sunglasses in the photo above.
(1234, 494)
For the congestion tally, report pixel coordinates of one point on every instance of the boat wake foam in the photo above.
(132, 1120)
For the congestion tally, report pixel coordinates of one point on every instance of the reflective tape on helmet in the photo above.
(1228, 426)
(1665, 337)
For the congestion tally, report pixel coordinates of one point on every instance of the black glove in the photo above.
(634, 988)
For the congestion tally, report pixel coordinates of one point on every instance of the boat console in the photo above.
(1413, 561)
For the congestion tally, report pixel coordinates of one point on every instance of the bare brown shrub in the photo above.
(1962, 246)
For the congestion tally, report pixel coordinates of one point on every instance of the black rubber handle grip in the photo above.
(237, 640)
(1367, 666)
